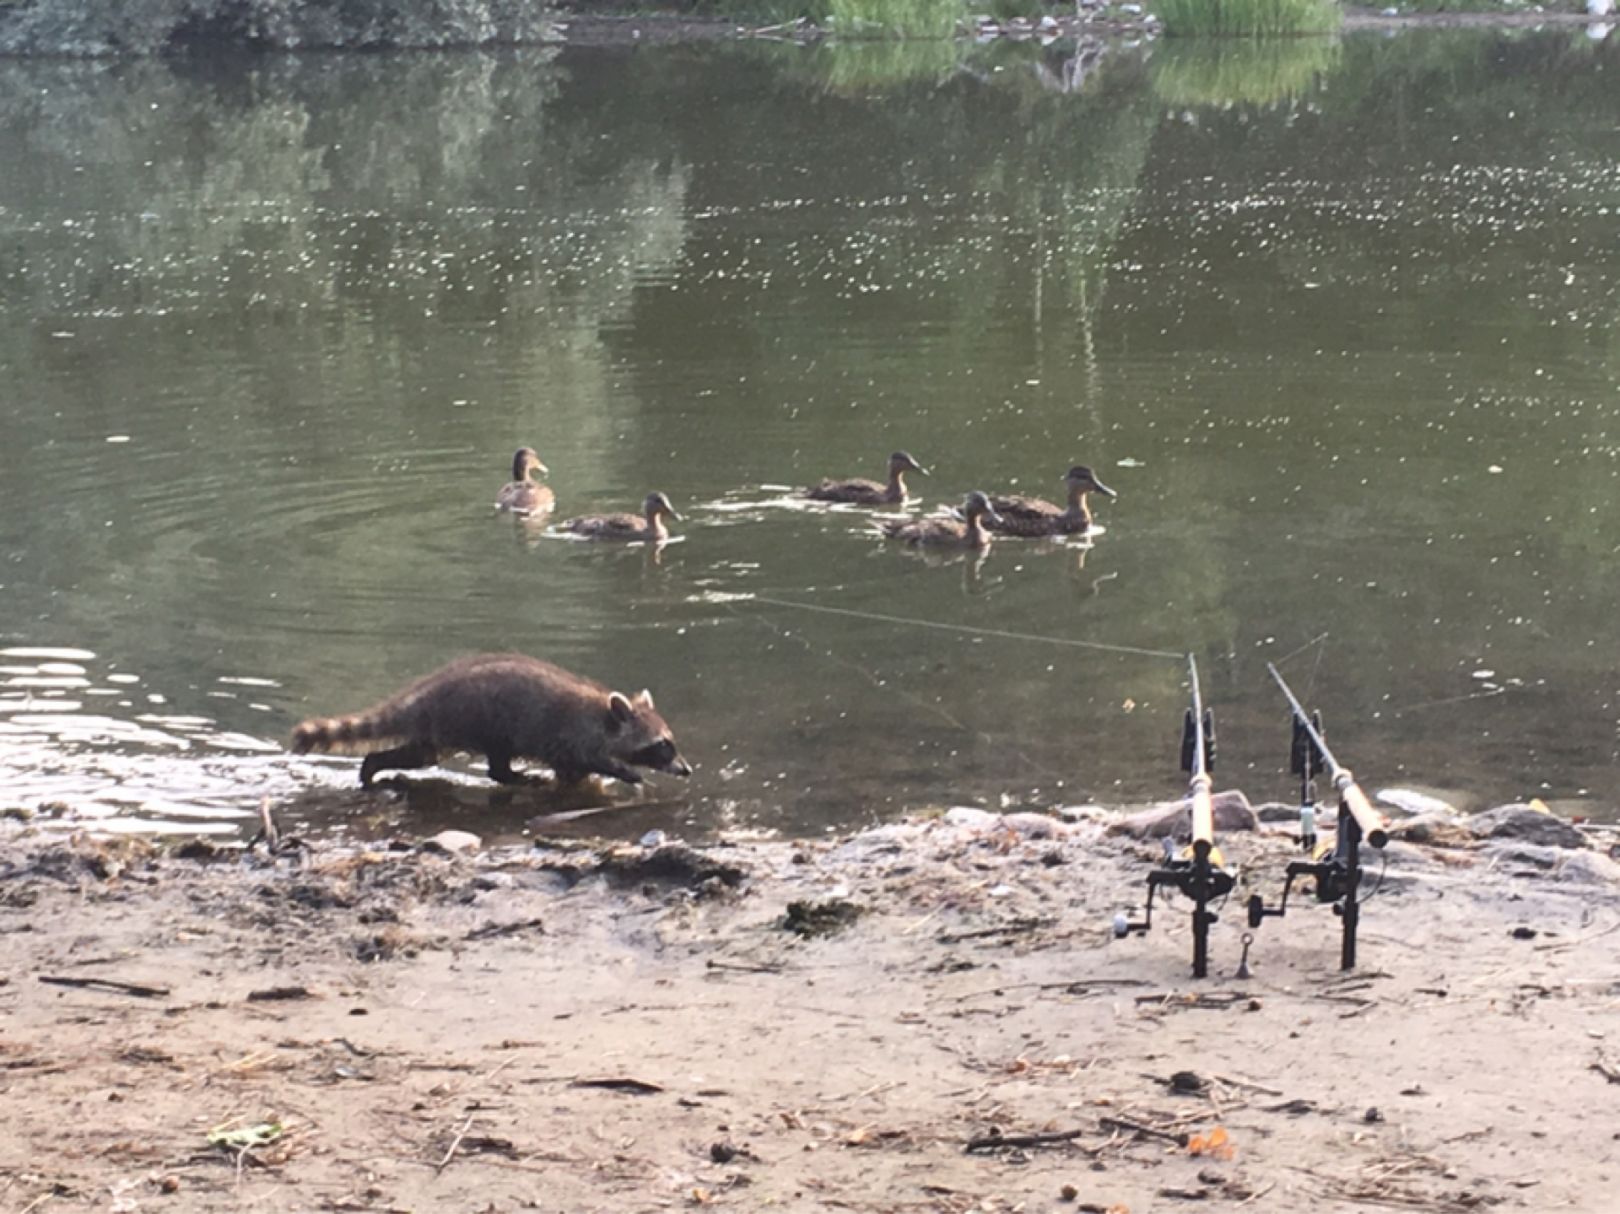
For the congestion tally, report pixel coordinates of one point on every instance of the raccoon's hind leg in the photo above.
(500, 770)
(412, 754)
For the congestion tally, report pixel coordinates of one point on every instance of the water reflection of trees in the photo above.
(345, 235)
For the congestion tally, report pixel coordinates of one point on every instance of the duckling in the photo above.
(870, 493)
(522, 495)
(1032, 516)
(649, 525)
(948, 532)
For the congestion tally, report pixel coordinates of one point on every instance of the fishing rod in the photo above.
(1198, 872)
(1338, 872)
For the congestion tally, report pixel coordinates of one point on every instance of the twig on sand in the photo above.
(454, 1143)
(113, 985)
(1606, 1067)
(616, 1084)
(997, 1140)
(37, 1202)
(1147, 1131)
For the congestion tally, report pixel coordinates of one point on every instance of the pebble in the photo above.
(1525, 822)
(453, 841)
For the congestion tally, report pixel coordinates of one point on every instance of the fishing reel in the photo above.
(1336, 869)
(1197, 871)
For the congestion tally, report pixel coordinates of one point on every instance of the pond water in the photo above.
(1339, 321)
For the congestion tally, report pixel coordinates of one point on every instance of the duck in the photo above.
(966, 532)
(1032, 516)
(522, 495)
(646, 526)
(870, 493)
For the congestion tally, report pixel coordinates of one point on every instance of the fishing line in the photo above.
(1474, 695)
(1002, 633)
(916, 701)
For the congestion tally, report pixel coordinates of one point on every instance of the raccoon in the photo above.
(504, 706)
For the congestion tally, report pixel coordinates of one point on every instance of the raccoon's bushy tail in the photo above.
(350, 735)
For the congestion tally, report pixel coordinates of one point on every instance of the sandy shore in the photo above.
(639, 1028)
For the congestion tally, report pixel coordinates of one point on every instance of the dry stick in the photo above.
(455, 1142)
(1234, 1082)
(988, 1142)
(108, 984)
(268, 832)
(1136, 1127)
(38, 1201)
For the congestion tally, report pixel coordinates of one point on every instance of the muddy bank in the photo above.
(926, 1016)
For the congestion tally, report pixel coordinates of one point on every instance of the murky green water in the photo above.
(1340, 322)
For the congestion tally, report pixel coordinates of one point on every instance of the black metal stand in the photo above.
(1338, 880)
(1195, 872)
(1204, 883)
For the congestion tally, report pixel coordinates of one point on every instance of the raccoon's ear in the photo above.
(644, 698)
(619, 708)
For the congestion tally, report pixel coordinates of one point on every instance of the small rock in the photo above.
(1522, 859)
(1588, 868)
(1174, 818)
(1188, 1083)
(811, 920)
(1048, 23)
(653, 838)
(1277, 811)
(452, 842)
(1372, 1116)
(1391, 12)
(1524, 933)
(1068, 1193)
(1525, 823)
(1433, 830)
(1131, 10)
(1410, 801)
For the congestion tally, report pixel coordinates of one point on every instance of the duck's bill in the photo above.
(1103, 489)
(677, 767)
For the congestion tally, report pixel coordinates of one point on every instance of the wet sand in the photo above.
(630, 1028)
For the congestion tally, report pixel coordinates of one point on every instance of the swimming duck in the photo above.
(948, 532)
(522, 495)
(1032, 516)
(870, 493)
(649, 525)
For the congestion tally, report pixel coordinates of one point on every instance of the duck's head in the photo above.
(1082, 479)
(977, 505)
(901, 461)
(524, 461)
(657, 504)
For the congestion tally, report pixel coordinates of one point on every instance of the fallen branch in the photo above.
(1605, 1066)
(1146, 1131)
(996, 1140)
(638, 1086)
(277, 994)
(113, 985)
(491, 930)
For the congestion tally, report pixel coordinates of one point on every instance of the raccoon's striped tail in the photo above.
(352, 735)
